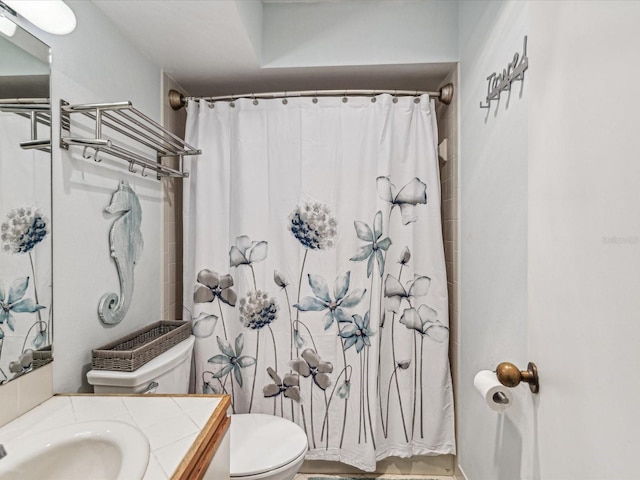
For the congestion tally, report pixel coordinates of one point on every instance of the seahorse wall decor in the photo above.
(126, 243)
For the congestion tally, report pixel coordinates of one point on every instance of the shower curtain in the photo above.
(314, 271)
(25, 248)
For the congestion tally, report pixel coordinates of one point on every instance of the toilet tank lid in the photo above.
(261, 443)
(146, 373)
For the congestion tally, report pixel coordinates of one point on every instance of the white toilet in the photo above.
(263, 447)
(167, 373)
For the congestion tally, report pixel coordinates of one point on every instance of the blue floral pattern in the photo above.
(311, 365)
(395, 292)
(24, 228)
(322, 300)
(231, 359)
(313, 226)
(375, 244)
(212, 285)
(339, 306)
(425, 322)
(257, 309)
(204, 325)
(23, 365)
(358, 333)
(246, 252)
(412, 194)
(13, 301)
(289, 386)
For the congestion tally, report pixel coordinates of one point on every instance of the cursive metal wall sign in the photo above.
(501, 82)
(126, 244)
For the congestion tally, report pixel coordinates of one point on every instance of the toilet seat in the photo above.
(264, 443)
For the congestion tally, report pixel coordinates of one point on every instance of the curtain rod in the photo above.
(177, 100)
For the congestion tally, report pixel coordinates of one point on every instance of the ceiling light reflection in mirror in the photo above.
(52, 16)
(7, 27)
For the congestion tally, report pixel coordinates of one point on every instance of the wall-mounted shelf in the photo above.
(38, 112)
(111, 123)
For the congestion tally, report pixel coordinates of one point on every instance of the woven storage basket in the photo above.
(131, 352)
(42, 356)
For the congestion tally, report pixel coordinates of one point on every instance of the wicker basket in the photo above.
(42, 356)
(131, 352)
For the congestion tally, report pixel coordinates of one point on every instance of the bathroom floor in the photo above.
(307, 476)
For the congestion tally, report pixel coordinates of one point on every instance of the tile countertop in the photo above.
(171, 423)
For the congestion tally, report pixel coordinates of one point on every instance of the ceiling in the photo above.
(214, 48)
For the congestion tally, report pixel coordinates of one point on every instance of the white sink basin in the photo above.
(86, 450)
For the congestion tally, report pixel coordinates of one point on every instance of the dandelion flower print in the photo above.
(23, 229)
(314, 226)
(258, 310)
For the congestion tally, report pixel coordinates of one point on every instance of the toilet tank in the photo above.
(167, 373)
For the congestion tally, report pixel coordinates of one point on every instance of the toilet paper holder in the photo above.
(510, 376)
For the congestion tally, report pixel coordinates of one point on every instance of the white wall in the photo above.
(584, 238)
(493, 239)
(97, 64)
(359, 33)
(570, 155)
(251, 15)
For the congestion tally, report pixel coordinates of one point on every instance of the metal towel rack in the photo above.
(122, 119)
(38, 111)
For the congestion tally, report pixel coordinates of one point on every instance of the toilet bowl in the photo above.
(265, 447)
(262, 447)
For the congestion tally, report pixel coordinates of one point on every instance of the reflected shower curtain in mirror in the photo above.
(25, 249)
(314, 270)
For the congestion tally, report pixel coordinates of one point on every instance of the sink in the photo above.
(86, 450)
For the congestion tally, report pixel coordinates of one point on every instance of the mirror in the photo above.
(26, 327)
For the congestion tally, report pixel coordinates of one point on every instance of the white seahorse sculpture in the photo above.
(126, 243)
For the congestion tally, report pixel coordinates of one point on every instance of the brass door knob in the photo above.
(510, 376)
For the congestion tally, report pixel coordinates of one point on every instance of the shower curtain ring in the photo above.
(131, 164)
(315, 97)
(344, 97)
(95, 156)
(84, 153)
(395, 96)
(232, 104)
(144, 167)
(255, 102)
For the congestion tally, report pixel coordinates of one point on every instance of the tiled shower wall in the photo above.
(448, 130)
(172, 215)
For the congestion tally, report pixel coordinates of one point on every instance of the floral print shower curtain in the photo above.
(25, 251)
(314, 271)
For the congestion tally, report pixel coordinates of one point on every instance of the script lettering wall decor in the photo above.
(501, 82)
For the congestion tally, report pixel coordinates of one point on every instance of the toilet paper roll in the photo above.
(496, 395)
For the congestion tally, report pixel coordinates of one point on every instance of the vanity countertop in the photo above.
(183, 430)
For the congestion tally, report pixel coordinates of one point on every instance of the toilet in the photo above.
(262, 447)
(167, 373)
(265, 447)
